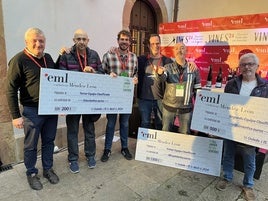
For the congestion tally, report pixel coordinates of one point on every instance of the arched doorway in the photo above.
(142, 24)
(133, 19)
(141, 18)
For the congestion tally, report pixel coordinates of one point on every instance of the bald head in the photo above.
(80, 32)
(180, 49)
(81, 40)
(179, 46)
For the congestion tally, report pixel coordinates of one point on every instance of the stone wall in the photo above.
(7, 153)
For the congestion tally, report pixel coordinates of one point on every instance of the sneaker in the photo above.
(106, 155)
(34, 182)
(51, 176)
(249, 194)
(91, 162)
(74, 167)
(222, 185)
(125, 152)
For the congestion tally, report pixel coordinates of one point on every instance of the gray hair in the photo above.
(250, 55)
(33, 30)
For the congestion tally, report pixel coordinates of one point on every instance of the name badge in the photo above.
(179, 90)
(124, 74)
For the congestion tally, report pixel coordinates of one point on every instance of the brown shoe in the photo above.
(222, 185)
(249, 194)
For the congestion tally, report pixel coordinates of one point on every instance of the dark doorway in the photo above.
(142, 24)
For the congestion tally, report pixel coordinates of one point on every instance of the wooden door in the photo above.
(142, 23)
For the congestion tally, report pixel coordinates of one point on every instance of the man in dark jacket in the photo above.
(248, 83)
(24, 77)
(182, 80)
(150, 89)
(83, 59)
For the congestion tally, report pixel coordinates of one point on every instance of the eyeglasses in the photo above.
(247, 64)
(79, 39)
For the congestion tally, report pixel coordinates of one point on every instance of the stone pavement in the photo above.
(122, 180)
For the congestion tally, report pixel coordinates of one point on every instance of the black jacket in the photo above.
(142, 64)
(23, 76)
(261, 90)
(70, 61)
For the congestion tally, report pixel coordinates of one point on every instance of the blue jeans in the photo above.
(110, 127)
(35, 125)
(72, 122)
(146, 107)
(184, 119)
(248, 155)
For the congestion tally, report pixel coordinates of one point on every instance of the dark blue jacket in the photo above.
(142, 64)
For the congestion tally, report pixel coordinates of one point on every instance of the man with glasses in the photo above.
(150, 89)
(120, 62)
(82, 59)
(248, 83)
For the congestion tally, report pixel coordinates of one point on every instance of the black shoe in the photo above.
(51, 176)
(34, 182)
(125, 152)
(106, 155)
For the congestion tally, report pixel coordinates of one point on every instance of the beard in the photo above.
(123, 47)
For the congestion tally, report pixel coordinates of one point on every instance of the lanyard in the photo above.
(181, 78)
(180, 73)
(158, 63)
(31, 57)
(80, 62)
(123, 63)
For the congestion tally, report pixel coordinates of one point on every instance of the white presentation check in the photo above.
(240, 118)
(188, 152)
(69, 92)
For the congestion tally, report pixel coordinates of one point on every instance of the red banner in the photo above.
(219, 42)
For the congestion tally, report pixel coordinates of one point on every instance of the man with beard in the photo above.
(120, 62)
(83, 59)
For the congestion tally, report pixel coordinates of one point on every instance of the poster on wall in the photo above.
(219, 42)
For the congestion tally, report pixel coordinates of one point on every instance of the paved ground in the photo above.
(122, 180)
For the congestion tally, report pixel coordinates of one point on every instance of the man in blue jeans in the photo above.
(82, 59)
(150, 89)
(182, 80)
(24, 76)
(120, 62)
(248, 83)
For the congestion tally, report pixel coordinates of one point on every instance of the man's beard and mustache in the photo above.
(123, 46)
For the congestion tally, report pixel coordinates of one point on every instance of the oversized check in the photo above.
(188, 152)
(69, 92)
(240, 118)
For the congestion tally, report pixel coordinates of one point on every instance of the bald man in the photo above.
(83, 59)
(182, 80)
